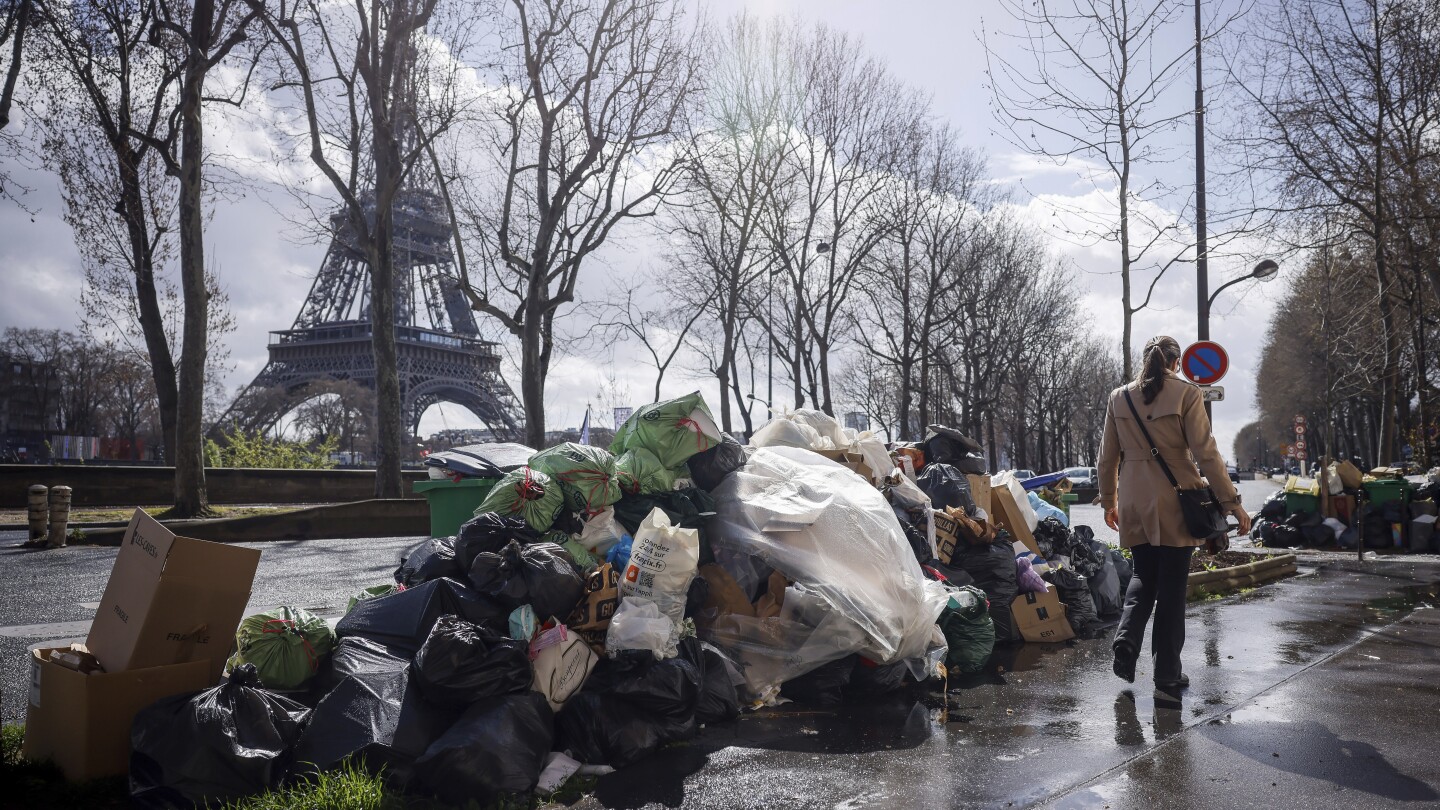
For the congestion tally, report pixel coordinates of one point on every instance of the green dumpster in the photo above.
(452, 502)
(1301, 503)
(1067, 500)
(1386, 490)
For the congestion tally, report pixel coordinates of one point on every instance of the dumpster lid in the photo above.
(489, 460)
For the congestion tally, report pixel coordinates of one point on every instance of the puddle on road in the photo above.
(1409, 598)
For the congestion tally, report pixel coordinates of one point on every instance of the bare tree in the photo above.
(584, 138)
(377, 82)
(1346, 93)
(1087, 87)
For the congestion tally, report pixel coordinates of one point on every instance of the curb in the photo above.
(389, 517)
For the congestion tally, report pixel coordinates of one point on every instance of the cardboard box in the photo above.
(82, 722)
(1011, 515)
(1041, 617)
(171, 600)
(980, 492)
(947, 536)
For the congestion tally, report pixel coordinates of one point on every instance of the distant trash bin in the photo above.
(1068, 500)
(452, 502)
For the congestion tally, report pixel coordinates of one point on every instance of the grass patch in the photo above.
(40, 784)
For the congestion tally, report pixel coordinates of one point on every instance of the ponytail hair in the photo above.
(1155, 362)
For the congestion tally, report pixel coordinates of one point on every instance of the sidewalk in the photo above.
(1321, 684)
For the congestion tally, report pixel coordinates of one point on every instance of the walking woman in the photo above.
(1141, 504)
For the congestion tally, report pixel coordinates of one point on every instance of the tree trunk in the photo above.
(147, 299)
(190, 494)
(388, 405)
(532, 383)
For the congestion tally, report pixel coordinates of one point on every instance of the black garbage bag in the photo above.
(1125, 569)
(1052, 537)
(357, 654)
(709, 467)
(1105, 589)
(947, 487)
(665, 690)
(1274, 506)
(945, 445)
(461, 662)
(225, 743)
(428, 560)
(823, 685)
(630, 706)
(497, 747)
(951, 574)
(919, 543)
(688, 508)
(719, 701)
(697, 596)
(1074, 590)
(603, 730)
(870, 678)
(489, 531)
(402, 620)
(376, 717)
(993, 569)
(541, 575)
(1287, 536)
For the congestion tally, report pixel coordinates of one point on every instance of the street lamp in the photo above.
(1265, 270)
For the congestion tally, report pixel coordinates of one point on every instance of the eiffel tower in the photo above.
(441, 356)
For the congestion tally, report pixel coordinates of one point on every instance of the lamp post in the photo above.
(1264, 270)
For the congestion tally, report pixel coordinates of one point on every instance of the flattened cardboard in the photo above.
(1009, 516)
(980, 492)
(1041, 617)
(82, 722)
(171, 600)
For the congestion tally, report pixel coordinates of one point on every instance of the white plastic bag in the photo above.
(857, 586)
(638, 624)
(663, 560)
(601, 532)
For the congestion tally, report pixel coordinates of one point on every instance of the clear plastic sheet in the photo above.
(856, 584)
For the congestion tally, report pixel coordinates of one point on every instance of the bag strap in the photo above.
(1154, 451)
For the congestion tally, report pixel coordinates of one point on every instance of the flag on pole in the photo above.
(585, 427)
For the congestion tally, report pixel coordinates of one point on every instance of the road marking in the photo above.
(89, 605)
(48, 630)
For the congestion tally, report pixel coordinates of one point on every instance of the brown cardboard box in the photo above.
(82, 722)
(947, 536)
(980, 493)
(171, 600)
(1010, 516)
(1041, 617)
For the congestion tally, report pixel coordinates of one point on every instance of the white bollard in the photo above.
(59, 515)
(39, 511)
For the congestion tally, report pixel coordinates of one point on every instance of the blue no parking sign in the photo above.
(1204, 362)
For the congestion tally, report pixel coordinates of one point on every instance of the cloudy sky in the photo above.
(933, 45)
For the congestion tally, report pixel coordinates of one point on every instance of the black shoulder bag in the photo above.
(1199, 506)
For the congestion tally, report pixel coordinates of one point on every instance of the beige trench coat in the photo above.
(1149, 507)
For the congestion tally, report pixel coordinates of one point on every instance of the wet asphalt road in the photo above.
(1314, 691)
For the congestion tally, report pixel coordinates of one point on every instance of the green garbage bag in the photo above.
(586, 474)
(673, 430)
(370, 593)
(968, 630)
(287, 646)
(582, 556)
(525, 493)
(641, 473)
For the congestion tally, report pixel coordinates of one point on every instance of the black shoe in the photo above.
(1183, 682)
(1125, 663)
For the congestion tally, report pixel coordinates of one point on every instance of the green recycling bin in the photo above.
(452, 502)
(1067, 500)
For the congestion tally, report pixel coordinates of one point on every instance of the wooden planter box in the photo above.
(1225, 580)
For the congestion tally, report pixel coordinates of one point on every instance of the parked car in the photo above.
(1234, 472)
(1024, 475)
(1082, 476)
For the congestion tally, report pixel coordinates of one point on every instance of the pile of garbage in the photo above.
(604, 603)
(1380, 509)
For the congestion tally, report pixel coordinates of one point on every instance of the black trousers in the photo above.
(1159, 583)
